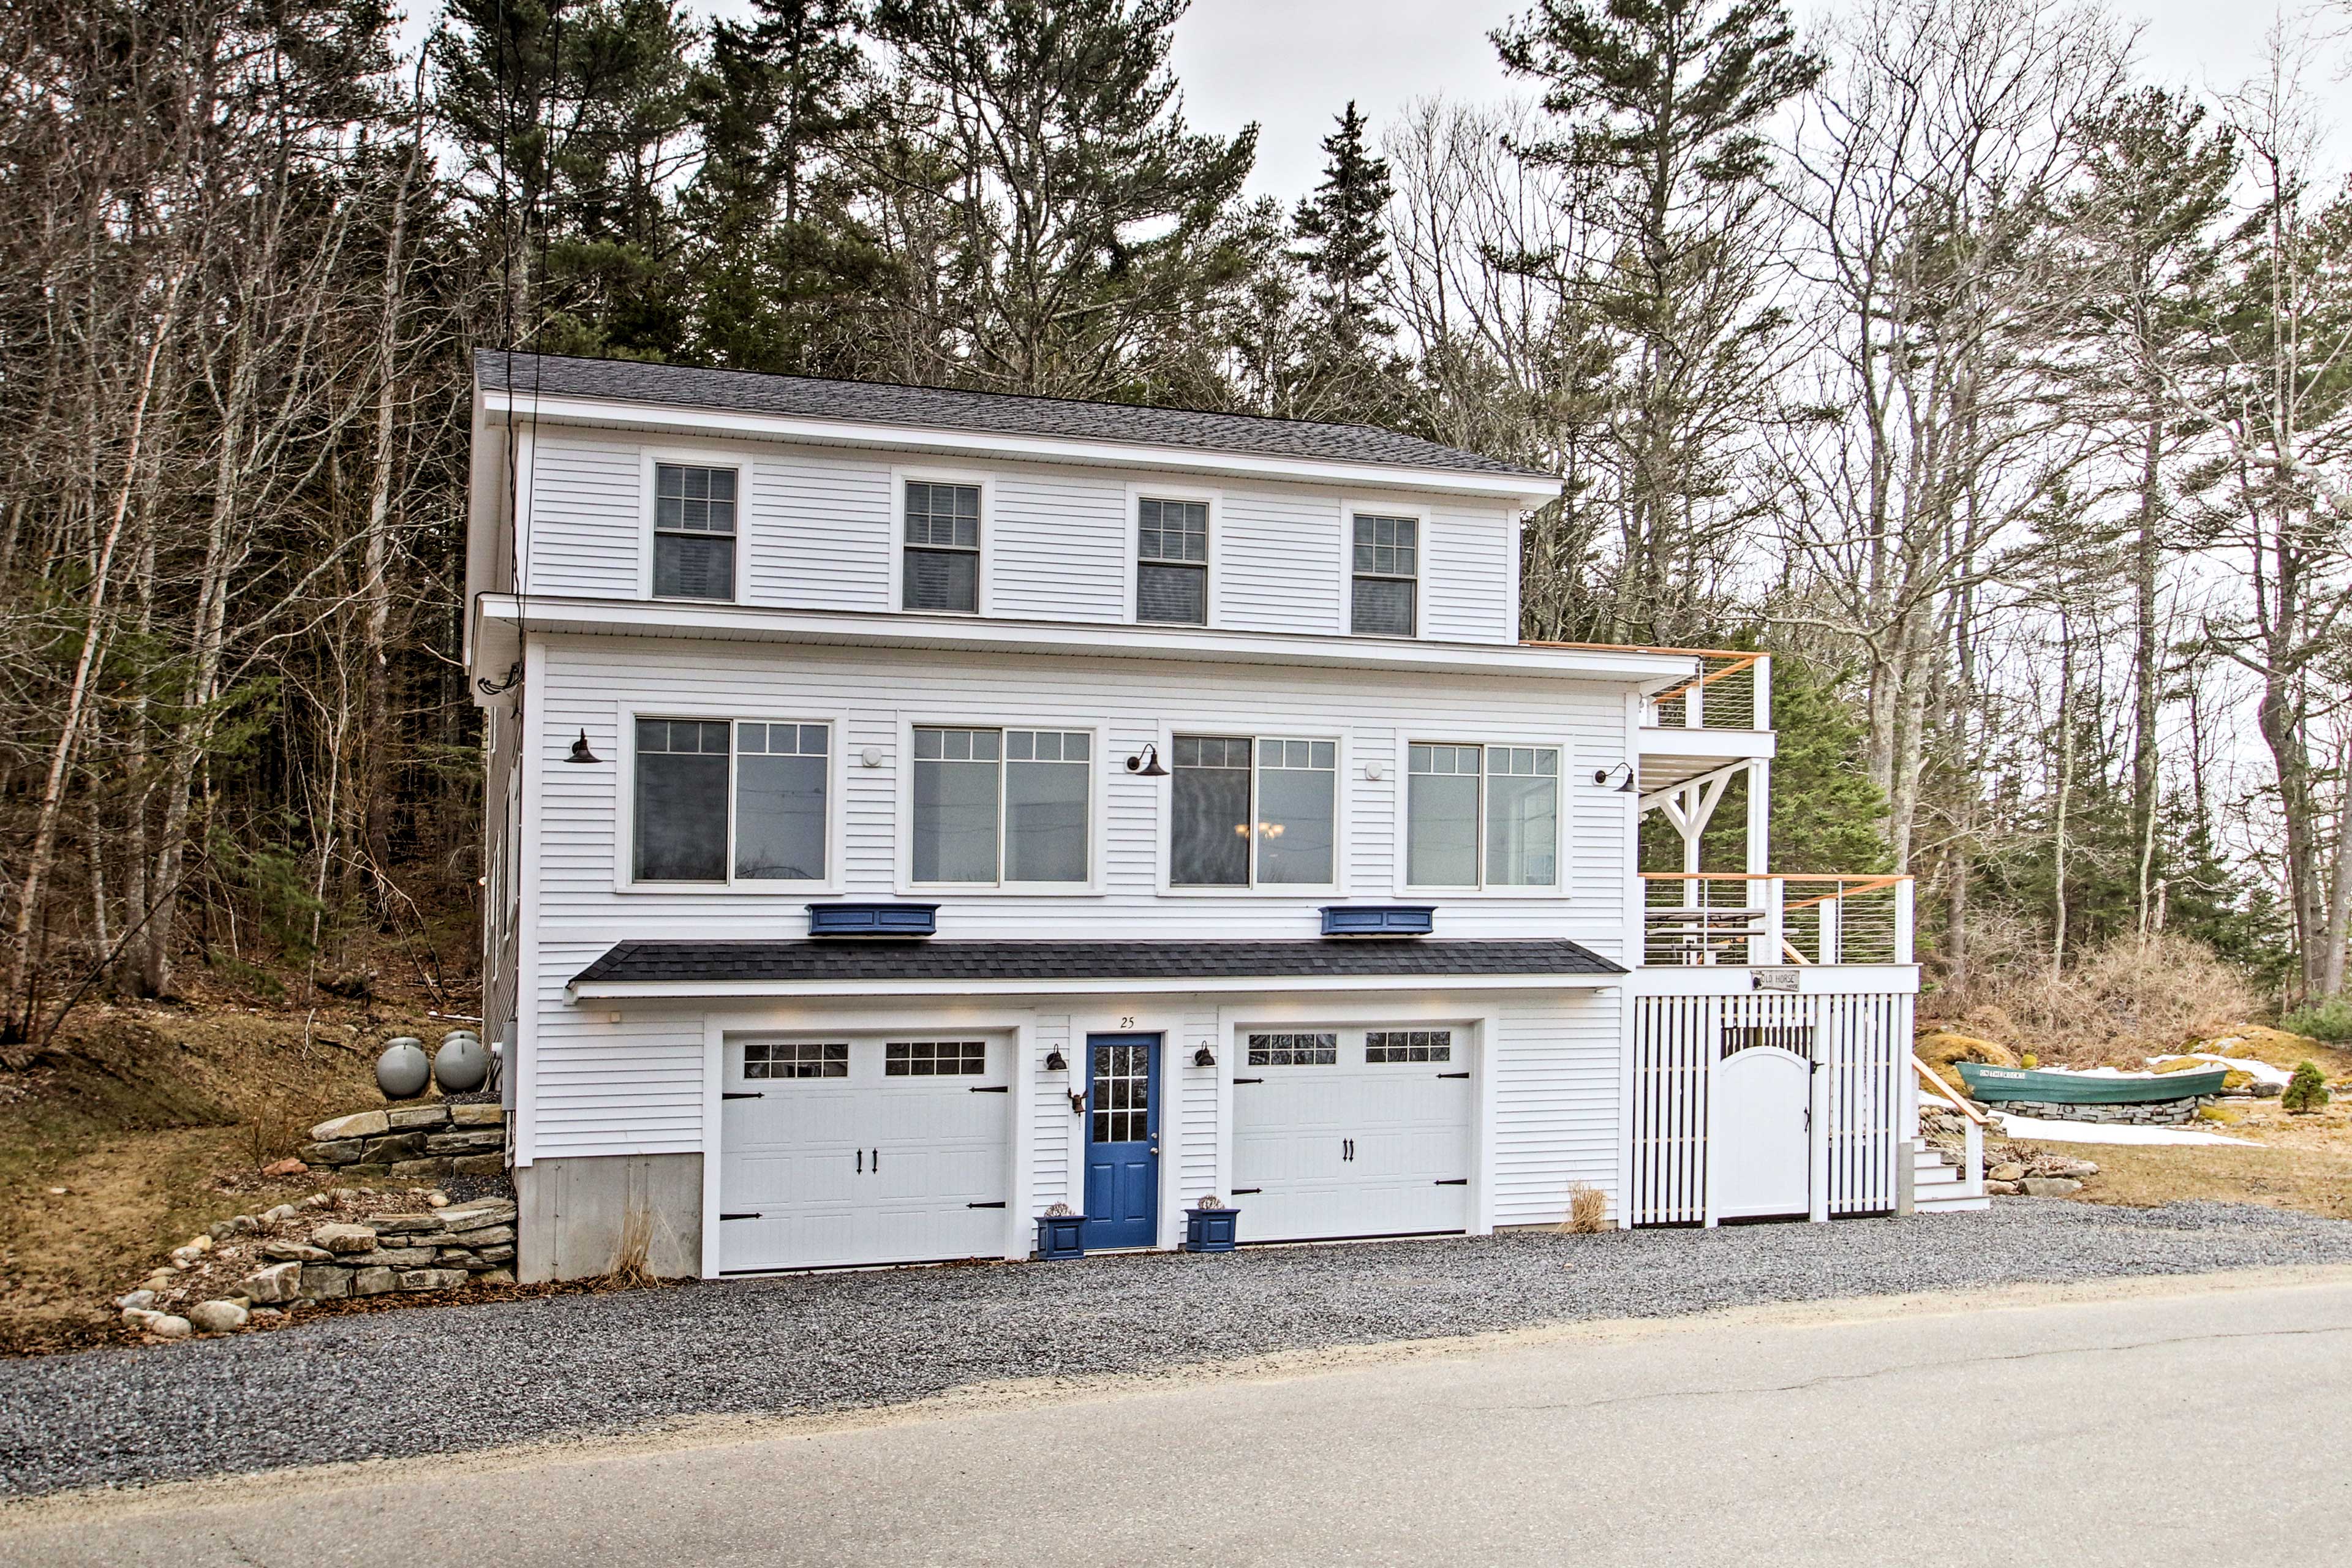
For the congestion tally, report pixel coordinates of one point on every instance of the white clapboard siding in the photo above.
(591, 684)
(816, 533)
(602, 1088)
(1279, 564)
(1196, 1176)
(1058, 549)
(1466, 570)
(1556, 1087)
(1049, 1153)
(588, 519)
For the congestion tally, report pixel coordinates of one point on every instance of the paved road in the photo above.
(2061, 1432)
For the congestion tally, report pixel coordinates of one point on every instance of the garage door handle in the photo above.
(993, 1089)
(1456, 1182)
(1454, 1075)
(1245, 1192)
(995, 1205)
(738, 1216)
(742, 1094)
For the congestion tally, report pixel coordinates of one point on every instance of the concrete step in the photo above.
(1954, 1202)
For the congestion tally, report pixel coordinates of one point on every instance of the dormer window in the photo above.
(1387, 572)
(694, 532)
(942, 545)
(1171, 562)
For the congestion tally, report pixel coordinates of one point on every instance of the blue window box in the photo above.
(1378, 919)
(1061, 1236)
(1211, 1230)
(873, 920)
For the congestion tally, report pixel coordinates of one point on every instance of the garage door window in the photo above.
(1482, 816)
(1294, 1050)
(1409, 1045)
(1003, 806)
(933, 1058)
(1253, 812)
(713, 795)
(796, 1059)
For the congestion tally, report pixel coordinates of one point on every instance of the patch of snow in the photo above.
(2035, 1128)
(2260, 1071)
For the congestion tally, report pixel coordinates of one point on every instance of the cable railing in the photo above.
(1732, 690)
(1735, 918)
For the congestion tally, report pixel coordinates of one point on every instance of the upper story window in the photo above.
(1482, 816)
(1171, 562)
(1251, 812)
(942, 562)
(714, 796)
(999, 806)
(694, 532)
(1387, 572)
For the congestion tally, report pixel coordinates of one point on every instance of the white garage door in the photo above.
(848, 1151)
(1351, 1132)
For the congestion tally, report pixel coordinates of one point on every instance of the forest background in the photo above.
(2002, 393)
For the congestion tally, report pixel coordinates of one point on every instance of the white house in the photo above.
(910, 810)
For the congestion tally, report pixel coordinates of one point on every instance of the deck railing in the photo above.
(1728, 917)
(1732, 690)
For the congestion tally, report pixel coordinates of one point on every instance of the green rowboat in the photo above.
(2078, 1088)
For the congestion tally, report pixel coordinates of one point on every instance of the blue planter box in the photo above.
(1211, 1230)
(873, 920)
(1378, 919)
(1061, 1236)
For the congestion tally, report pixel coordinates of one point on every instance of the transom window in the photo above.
(1294, 1050)
(1387, 570)
(694, 532)
(1409, 1045)
(1252, 811)
(1172, 573)
(1001, 805)
(711, 795)
(796, 1059)
(934, 1059)
(941, 570)
(1482, 816)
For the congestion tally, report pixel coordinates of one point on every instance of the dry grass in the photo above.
(1588, 1210)
(2117, 1006)
(2295, 1161)
(633, 1255)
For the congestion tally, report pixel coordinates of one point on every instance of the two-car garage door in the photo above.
(1341, 1133)
(846, 1152)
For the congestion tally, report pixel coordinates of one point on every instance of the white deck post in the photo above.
(1902, 912)
(1766, 949)
(1763, 668)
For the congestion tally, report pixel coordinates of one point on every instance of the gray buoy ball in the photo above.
(402, 1072)
(461, 1064)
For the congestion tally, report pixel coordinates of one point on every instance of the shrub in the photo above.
(2122, 1003)
(2330, 1020)
(1588, 1210)
(2306, 1091)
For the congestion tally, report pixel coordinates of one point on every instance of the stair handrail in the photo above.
(1944, 1091)
(1972, 1130)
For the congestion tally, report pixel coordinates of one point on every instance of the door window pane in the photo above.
(1046, 775)
(1209, 804)
(1297, 798)
(1122, 1107)
(779, 786)
(1522, 816)
(1442, 816)
(943, 548)
(681, 801)
(694, 532)
(956, 779)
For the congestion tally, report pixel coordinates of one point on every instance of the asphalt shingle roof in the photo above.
(883, 960)
(879, 403)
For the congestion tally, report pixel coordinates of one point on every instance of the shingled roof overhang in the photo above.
(953, 968)
(749, 403)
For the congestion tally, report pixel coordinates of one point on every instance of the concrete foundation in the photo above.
(579, 1216)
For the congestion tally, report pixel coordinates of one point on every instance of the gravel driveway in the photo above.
(452, 1378)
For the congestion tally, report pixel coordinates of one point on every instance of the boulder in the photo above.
(417, 1117)
(2000, 1189)
(375, 1282)
(393, 1147)
(282, 1212)
(341, 1151)
(389, 1258)
(498, 1254)
(2007, 1171)
(491, 1115)
(295, 1252)
(480, 1214)
(278, 1282)
(496, 1235)
(216, 1317)
(344, 1238)
(165, 1326)
(137, 1302)
(365, 1124)
(470, 1141)
(2049, 1187)
(478, 1164)
(404, 1223)
(432, 1278)
(324, 1282)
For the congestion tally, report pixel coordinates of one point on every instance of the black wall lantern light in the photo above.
(1145, 764)
(580, 752)
(1626, 785)
(1204, 1057)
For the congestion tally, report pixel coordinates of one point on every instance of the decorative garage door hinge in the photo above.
(1456, 1182)
(1454, 1075)
(1241, 1192)
(993, 1089)
(741, 1094)
(738, 1216)
(1249, 1080)
(995, 1205)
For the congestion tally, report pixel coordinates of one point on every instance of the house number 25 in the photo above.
(1127, 1022)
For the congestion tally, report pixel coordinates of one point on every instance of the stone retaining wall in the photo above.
(434, 1249)
(2153, 1113)
(411, 1143)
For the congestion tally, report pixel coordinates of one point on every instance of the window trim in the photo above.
(625, 804)
(648, 459)
(1556, 889)
(1131, 555)
(1164, 827)
(901, 477)
(1097, 817)
(1350, 506)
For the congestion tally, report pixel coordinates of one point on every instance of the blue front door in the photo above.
(1122, 1140)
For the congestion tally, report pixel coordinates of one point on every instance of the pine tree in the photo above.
(1343, 246)
(2306, 1090)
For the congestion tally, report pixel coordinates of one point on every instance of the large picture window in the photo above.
(1253, 810)
(694, 532)
(1387, 572)
(941, 569)
(714, 797)
(1001, 805)
(1172, 571)
(1482, 816)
